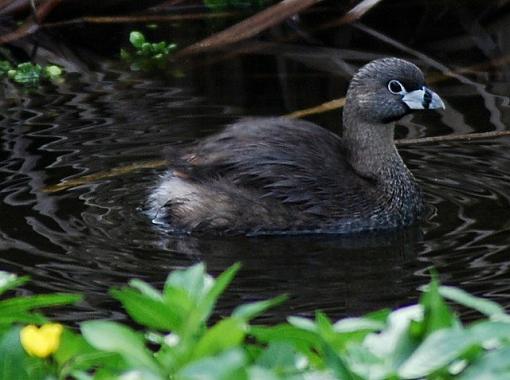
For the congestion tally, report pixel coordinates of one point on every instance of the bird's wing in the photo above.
(294, 161)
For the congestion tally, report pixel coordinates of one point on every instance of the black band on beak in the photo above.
(427, 98)
(422, 99)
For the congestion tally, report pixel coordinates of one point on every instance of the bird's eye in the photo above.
(396, 87)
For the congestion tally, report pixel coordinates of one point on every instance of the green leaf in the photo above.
(12, 356)
(193, 280)
(23, 317)
(71, 345)
(114, 337)
(137, 39)
(280, 357)
(80, 375)
(437, 315)
(395, 342)
(15, 363)
(21, 304)
(252, 310)
(75, 354)
(146, 48)
(5, 66)
(26, 73)
(443, 346)
(147, 311)
(303, 339)
(260, 373)
(146, 289)
(357, 324)
(337, 364)
(365, 364)
(303, 323)
(484, 306)
(138, 374)
(10, 281)
(218, 287)
(493, 365)
(225, 366)
(488, 330)
(53, 71)
(97, 361)
(224, 335)
(379, 315)
(437, 351)
(125, 55)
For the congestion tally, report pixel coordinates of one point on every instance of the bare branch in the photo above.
(251, 26)
(463, 137)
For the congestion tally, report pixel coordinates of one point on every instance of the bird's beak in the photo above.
(423, 99)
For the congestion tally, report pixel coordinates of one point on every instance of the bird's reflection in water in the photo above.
(340, 275)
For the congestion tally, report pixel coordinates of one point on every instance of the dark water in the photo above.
(93, 236)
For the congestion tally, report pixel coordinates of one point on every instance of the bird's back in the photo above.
(266, 175)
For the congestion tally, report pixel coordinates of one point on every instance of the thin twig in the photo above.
(269, 17)
(32, 23)
(324, 107)
(137, 19)
(251, 26)
(115, 172)
(353, 15)
(13, 7)
(33, 7)
(446, 138)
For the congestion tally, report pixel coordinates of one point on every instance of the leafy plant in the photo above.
(178, 341)
(30, 74)
(147, 55)
(15, 363)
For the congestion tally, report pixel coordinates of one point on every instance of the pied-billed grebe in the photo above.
(277, 175)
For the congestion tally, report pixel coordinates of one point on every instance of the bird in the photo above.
(276, 175)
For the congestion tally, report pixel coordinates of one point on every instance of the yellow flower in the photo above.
(41, 342)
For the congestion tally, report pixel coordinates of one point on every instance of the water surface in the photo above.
(90, 237)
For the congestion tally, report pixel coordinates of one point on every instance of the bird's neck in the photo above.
(372, 151)
(373, 155)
